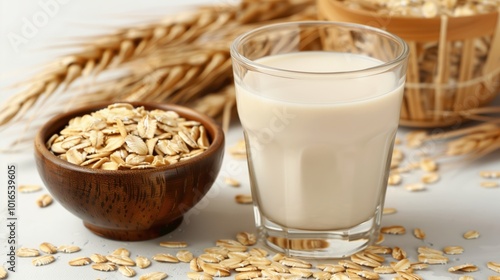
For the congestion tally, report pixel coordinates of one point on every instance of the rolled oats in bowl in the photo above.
(122, 136)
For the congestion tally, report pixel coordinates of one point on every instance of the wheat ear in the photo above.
(129, 44)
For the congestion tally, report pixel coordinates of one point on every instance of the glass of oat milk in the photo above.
(319, 103)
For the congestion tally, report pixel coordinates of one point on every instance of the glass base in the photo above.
(332, 244)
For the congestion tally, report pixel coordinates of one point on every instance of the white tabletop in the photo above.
(444, 211)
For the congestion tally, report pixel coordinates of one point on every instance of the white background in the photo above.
(445, 211)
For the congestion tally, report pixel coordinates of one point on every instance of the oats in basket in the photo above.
(424, 8)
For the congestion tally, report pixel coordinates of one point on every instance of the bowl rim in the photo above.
(215, 131)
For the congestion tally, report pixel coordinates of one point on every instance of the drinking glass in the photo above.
(319, 103)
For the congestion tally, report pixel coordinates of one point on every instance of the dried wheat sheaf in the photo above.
(182, 59)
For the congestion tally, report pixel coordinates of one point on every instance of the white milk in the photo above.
(318, 160)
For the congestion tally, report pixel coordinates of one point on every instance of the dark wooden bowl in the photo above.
(130, 204)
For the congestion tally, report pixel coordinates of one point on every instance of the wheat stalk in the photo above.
(180, 75)
(168, 75)
(475, 144)
(130, 44)
(475, 141)
(183, 77)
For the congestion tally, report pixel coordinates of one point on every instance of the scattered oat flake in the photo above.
(471, 234)
(402, 265)
(120, 260)
(383, 269)
(68, 248)
(238, 150)
(142, 262)
(495, 266)
(304, 272)
(259, 252)
(415, 187)
(453, 250)
(489, 184)
(432, 259)
(379, 249)
(333, 268)
(419, 266)
(174, 244)
(231, 182)
(184, 256)
(193, 275)
(48, 248)
(419, 233)
(44, 200)
(223, 251)
(168, 258)
(463, 267)
(29, 188)
(394, 164)
(427, 164)
(3, 273)
(367, 274)
(344, 276)
(215, 270)
(466, 277)
(490, 174)
(430, 178)
(98, 258)
(403, 275)
(394, 180)
(81, 261)
(294, 262)
(246, 238)
(397, 155)
(366, 259)
(427, 250)
(416, 138)
(27, 252)
(121, 252)
(243, 198)
(322, 275)
(393, 230)
(127, 271)
(380, 238)
(43, 260)
(104, 267)
(194, 265)
(388, 211)
(211, 257)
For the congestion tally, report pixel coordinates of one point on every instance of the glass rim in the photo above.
(255, 66)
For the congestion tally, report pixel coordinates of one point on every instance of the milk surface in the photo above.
(319, 147)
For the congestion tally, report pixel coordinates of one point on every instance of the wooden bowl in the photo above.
(130, 205)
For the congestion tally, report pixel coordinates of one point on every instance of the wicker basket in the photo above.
(454, 63)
